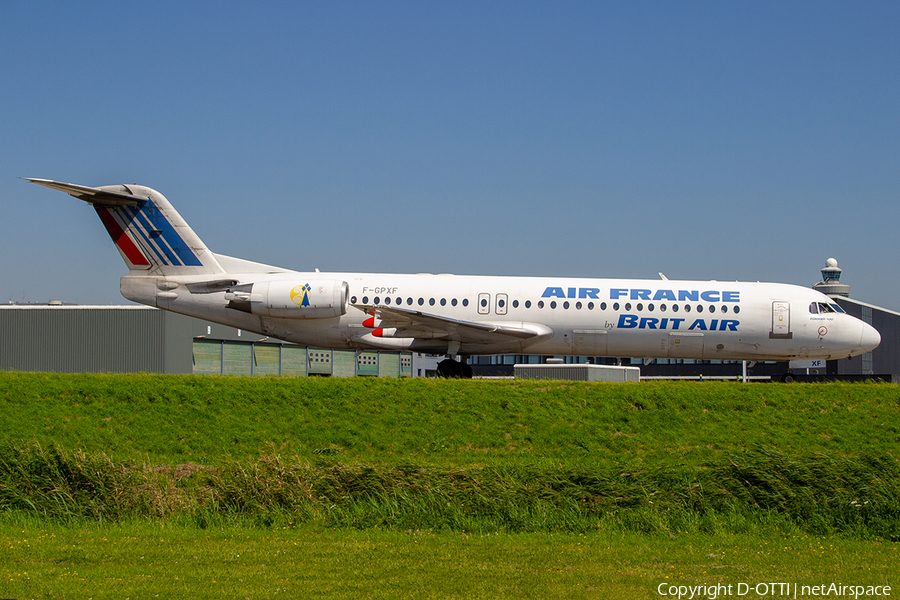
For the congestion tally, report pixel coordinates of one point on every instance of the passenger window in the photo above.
(662, 307)
(431, 302)
(387, 300)
(602, 306)
(553, 304)
(443, 302)
(365, 299)
(591, 306)
(712, 308)
(409, 301)
(540, 304)
(737, 309)
(628, 306)
(578, 306)
(650, 307)
(724, 308)
(528, 304)
(453, 302)
(566, 305)
(699, 308)
(640, 306)
(421, 301)
(615, 306)
(674, 308)
(465, 301)
(687, 308)
(515, 304)
(376, 300)
(353, 300)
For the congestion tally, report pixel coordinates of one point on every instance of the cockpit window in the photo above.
(814, 308)
(837, 308)
(825, 308)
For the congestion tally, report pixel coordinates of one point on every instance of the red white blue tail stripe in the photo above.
(145, 237)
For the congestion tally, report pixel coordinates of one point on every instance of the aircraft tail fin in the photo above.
(147, 230)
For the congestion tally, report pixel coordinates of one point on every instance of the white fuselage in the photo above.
(581, 317)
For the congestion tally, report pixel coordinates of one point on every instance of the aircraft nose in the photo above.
(870, 338)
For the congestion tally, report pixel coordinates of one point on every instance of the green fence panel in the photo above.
(238, 357)
(207, 357)
(293, 361)
(344, 363)
(267, 359)
(389, 365)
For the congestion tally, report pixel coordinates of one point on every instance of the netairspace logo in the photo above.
(770, 589)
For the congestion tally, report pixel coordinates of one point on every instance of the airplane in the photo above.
(170, 268)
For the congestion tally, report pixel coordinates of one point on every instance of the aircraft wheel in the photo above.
(465, 371)
(453, 369)
(449, 369)
(788, 378)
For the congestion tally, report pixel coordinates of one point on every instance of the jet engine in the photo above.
(291, 298)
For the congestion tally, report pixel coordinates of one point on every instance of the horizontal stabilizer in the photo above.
(89, 194)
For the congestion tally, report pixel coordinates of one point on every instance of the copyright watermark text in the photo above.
(771, 589)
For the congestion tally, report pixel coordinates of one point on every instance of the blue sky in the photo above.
(706, 140)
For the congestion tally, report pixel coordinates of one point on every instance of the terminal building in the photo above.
(58, 337)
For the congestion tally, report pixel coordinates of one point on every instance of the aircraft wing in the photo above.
(410, 323)
(89, 194)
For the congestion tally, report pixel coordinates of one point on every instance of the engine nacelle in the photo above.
(299, 299)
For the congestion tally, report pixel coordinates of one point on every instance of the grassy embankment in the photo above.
(458, 456)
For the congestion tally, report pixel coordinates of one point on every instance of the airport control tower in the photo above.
(831, 281)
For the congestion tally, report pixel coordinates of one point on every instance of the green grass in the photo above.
(115, 486)
(187, 419)
(40, 559)
(855, 497)
(466, 456)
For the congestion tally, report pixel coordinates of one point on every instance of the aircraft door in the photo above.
(484, 304)
(781, 320)
(502, 301)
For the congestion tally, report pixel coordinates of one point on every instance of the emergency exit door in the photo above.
(781, 320)
(484, 304)
(502, 301)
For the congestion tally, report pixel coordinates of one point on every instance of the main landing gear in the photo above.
(454, 369)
